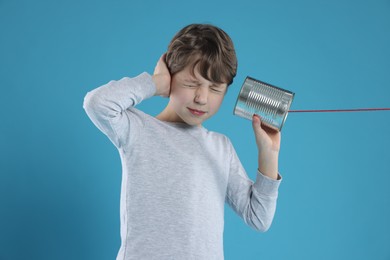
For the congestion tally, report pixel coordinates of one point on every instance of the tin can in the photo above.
(271, 103)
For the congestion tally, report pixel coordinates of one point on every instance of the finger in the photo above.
(260, 128)
(260, 134)
(158, 64)
(161, 66)
(256, 123)
(162, 57)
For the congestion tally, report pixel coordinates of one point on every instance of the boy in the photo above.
(177, 174)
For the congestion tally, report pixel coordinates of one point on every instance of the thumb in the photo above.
(256, 123)
(260, 134)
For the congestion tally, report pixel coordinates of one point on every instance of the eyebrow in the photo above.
(197, 82)
(192, 81)
(217, 85)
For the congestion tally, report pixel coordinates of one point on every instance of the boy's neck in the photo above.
(169, 115)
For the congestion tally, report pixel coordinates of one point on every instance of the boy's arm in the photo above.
(107, 105)
(255, 201)
(268, 145)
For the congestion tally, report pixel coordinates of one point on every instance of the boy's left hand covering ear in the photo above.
(162, 78)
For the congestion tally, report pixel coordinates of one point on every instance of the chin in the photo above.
(193, 122)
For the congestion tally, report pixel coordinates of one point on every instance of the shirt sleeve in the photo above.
(254, 202)
(109, 106)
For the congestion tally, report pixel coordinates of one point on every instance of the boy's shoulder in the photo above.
(218, 136)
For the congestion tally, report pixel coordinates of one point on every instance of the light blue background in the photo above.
(60, 177)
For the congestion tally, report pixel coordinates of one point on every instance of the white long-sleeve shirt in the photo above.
(175, 178)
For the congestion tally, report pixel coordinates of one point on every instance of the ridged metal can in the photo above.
(271, 103)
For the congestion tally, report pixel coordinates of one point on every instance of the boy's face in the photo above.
(194, 99)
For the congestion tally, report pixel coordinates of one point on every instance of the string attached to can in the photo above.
(272, 103)
(340, 110)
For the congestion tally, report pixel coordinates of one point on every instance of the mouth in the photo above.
(196, 112)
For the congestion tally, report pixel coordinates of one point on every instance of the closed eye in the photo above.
(189, 86)
(216, 90)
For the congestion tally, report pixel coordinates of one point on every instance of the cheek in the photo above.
(215, 103)
(180, 95)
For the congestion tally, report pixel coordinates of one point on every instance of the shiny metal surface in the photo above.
(271, 103)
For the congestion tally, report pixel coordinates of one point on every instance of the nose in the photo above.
(201, 95)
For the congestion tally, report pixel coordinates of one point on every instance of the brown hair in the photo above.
(206, 47)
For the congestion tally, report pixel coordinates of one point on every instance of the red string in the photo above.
(339, 110)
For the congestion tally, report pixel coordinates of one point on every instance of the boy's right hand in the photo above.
(162, 78)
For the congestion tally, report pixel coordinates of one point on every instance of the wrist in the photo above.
(268, 164)
(156, 84)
